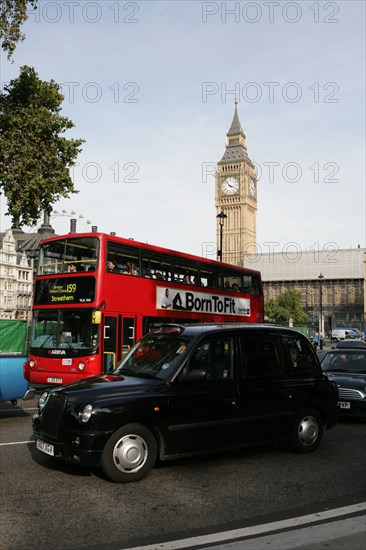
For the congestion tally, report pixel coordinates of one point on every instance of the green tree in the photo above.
(34, 157)
(285, 307)
(13, 13)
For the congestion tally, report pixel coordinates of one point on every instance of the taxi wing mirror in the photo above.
(194, 375)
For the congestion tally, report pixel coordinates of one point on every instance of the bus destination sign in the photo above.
(172, 299)
(63, 290)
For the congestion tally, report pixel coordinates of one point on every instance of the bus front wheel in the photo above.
(129, 454)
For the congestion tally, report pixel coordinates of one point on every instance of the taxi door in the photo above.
(266, 408)
(203, 414)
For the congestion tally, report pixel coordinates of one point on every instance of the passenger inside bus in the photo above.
(187, 279)
(197, 281)
(112, 266)
(75, 267)
(131, 269)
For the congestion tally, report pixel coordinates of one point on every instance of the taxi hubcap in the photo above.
(130, 453)
(308, 430)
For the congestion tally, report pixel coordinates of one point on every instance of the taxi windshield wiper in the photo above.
(338, 369)
(137, 373)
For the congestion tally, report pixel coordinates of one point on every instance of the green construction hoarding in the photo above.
(13, 335)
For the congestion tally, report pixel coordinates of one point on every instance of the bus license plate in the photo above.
(344, 404)
(54, 380)
(45, 447)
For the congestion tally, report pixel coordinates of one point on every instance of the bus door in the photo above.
(128, 333)
(109, 342)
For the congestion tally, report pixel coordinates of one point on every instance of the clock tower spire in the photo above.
(236, 196)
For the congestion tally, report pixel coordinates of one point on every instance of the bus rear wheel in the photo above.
(129, 454)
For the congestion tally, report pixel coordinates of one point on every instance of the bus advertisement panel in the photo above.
(174, 299)
(96, 295)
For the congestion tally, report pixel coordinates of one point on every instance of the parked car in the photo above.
(345, 332)
(340, 334)
(13, 385)
(350, 343)
(186, 390)
(347, 368)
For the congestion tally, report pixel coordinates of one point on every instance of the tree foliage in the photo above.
(285, 307)
(34, 157)
(13, 13)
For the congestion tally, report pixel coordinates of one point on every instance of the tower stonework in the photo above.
(236, 197)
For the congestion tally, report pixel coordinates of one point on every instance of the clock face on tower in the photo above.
(252, 188)
(229, 186)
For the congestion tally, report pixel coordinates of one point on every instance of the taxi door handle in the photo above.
(232, 401)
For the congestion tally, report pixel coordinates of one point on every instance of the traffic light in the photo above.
(330, 322)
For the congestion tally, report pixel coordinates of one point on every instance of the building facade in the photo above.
(235, 198)
(18, 252)
(330, 282)
(16, 280)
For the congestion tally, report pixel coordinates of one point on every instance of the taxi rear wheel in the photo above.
(129, 454)
(307, 431)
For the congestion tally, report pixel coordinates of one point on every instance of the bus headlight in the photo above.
(86, 413)
(81, 366)
(31, 363)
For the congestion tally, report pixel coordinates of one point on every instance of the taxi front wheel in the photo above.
(307, 431)
(129, 454)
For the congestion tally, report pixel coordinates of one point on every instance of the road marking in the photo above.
(18, 410)
(227, 536)
(17, 443)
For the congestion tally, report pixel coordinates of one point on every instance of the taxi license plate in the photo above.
(54, 380)
(45, 447)
(344, 404)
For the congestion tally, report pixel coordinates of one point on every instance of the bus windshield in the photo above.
(64, 255)
(69, 330)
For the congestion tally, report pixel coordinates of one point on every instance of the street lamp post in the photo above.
(221, 217)
(321, 277)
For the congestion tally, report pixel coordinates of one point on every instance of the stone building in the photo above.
(331, 280)
(18, 251)
(16, 280)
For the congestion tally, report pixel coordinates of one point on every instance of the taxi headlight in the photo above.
(86, 413)
(43, 400)
(81, 366)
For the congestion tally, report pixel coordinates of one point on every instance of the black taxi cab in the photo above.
(186, 390)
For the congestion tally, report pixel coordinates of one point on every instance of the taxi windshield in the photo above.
(154, 355)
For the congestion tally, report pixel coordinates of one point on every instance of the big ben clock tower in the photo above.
(236, 197)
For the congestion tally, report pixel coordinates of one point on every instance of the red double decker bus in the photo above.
(96, 295)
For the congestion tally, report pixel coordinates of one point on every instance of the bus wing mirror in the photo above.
(96, 317)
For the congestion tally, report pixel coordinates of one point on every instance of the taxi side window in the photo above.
(299, 356)
(215, 357)
(261, 356)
